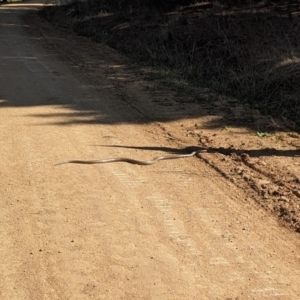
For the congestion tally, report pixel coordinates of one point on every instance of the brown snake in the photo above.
(130, 160)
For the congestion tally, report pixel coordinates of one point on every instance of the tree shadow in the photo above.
(110, 88)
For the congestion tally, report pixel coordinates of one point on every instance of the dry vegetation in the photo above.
(250, 51)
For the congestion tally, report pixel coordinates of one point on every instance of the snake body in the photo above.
(131, 160)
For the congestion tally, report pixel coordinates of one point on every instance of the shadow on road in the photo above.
(110, 93)
(221, 150)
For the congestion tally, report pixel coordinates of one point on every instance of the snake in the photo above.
(131, 160)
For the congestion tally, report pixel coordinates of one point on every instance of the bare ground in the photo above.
(252, 150)
(217, 226)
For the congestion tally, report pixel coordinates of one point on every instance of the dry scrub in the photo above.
(252, 54)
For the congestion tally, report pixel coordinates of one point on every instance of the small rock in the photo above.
(284, 199)
(262, 162)
(294, 135)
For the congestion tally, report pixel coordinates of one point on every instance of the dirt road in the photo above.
(178, 229)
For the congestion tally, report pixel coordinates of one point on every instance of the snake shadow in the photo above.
(222, 150)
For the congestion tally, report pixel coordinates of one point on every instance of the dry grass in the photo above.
(252, 54)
